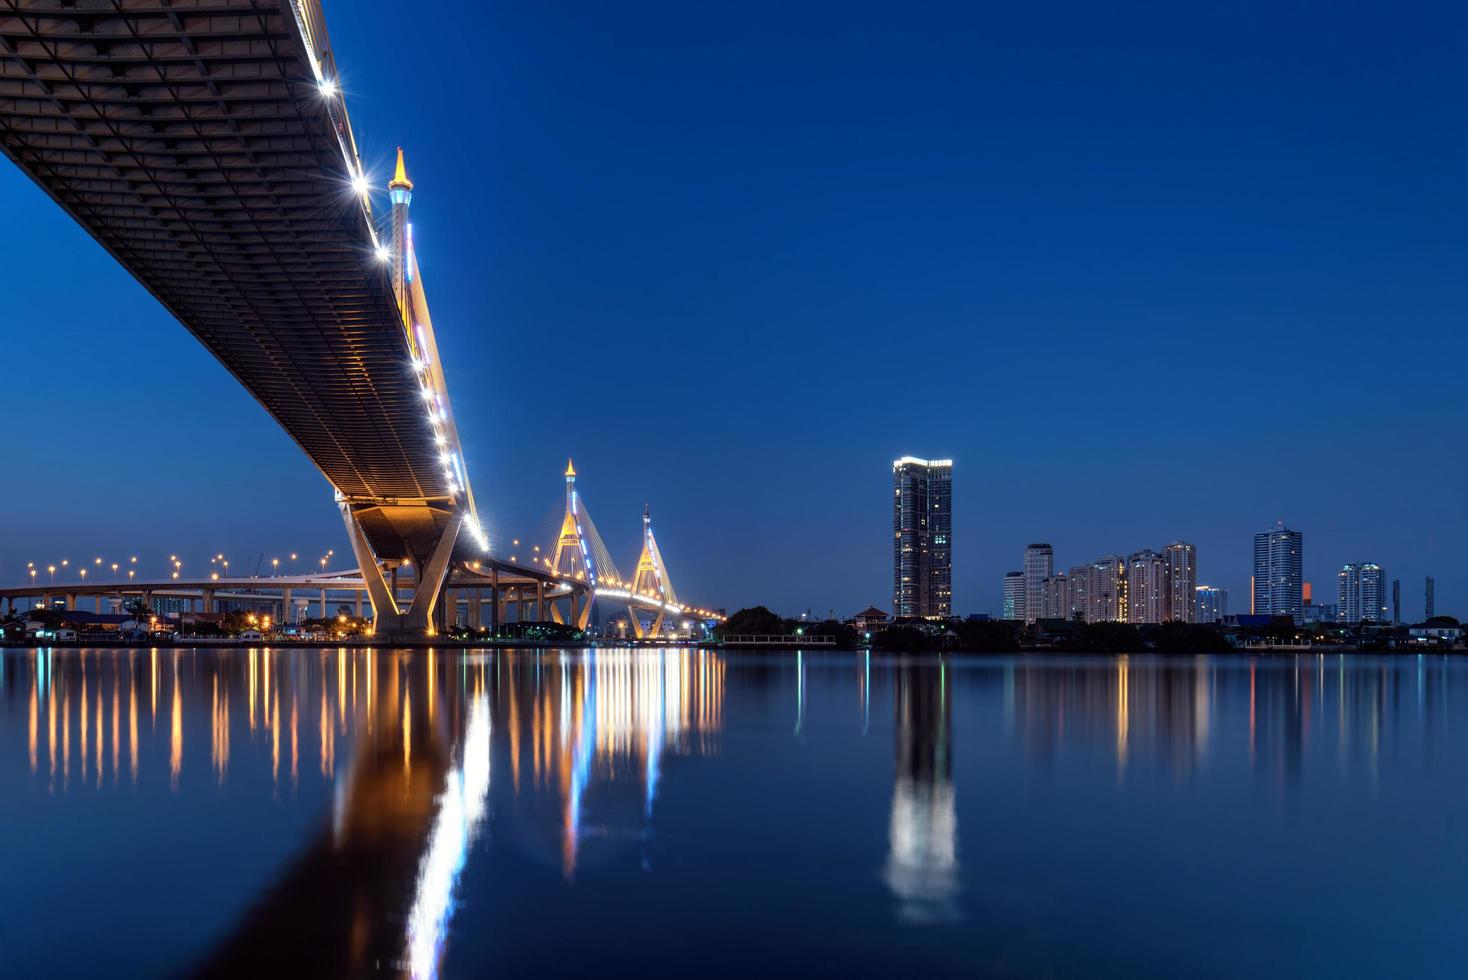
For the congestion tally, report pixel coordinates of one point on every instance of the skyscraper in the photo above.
(1427, 608)
(1014, 596)
(1396, 601)
(1212, 604)
(1054, 596)
(1360, 593)
(1182, 582)
(922, 533)
(1278, 584)
(1039, 564)
(1077, 587)
(1106, 591)
(1146, 587)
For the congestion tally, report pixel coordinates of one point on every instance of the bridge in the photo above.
(482, 594)
(208, 148)
(580, 556)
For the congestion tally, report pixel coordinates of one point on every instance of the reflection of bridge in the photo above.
(208, 148)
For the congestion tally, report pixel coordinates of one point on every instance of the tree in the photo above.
(1189, 638)
(757, 621)
(138, 609)
(1105, 638)
(986, 637)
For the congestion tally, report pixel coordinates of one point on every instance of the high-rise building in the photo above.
(1039, 564)
(1146, 587)
(922, 533)
(1211, 604)
(1361, 593)
(1055, 596)
(1278, 587)
(1077, 587)
(1427, 605)
(1106, 590)
(1182, 582)
(1014, 596)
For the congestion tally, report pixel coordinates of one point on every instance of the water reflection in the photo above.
(421, 760)
(922, 861)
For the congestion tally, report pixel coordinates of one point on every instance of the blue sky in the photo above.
(1145, 271)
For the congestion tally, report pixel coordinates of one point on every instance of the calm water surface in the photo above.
(351, 812)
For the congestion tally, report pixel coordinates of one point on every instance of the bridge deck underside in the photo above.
(191, 140)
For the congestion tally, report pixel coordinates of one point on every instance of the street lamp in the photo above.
(84, 576)
(275, 566)
(52, 570)
(114, 571)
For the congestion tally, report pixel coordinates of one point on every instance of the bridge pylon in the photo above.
(388, 534)
(650, 581)
(580, 555)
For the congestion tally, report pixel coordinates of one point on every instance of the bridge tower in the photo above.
(650, 581)
(580, 555)
(420, 535)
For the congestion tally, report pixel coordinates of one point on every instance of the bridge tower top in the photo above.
(400, 186)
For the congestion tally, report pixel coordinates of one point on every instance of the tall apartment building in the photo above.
(1106, 590)
(1055, 596)
(922, 538)
(1039, 564)
(1014, 596)
(1147, 591)
(1077, 587)
(1396, 601)
(1182, 582)
(1211, 604)
(1428, 599)
(1278, 586)
(1361, 593)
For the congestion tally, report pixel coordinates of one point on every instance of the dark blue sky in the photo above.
(1145, 271)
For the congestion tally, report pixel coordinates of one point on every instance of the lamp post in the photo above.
(52, 570)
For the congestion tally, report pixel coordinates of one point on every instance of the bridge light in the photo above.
(383, 253)
(360, 185)
(327, 87)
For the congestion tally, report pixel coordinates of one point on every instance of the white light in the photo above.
(328, 87)
(359, 184)
(427, 394)
(383, 253)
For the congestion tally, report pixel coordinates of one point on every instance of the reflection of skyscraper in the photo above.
(922, 856)
(1278, 583)
(1039, 564)
(922, 538)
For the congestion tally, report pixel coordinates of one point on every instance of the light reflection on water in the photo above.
(353, 812)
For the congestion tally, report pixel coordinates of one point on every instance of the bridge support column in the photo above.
(390, 620)
(539, 601)
(494, 601)
(476, 606)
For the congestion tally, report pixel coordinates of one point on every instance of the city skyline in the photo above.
(583, 224)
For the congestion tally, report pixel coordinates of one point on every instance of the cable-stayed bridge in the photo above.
(207, 147)
(579, 555)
